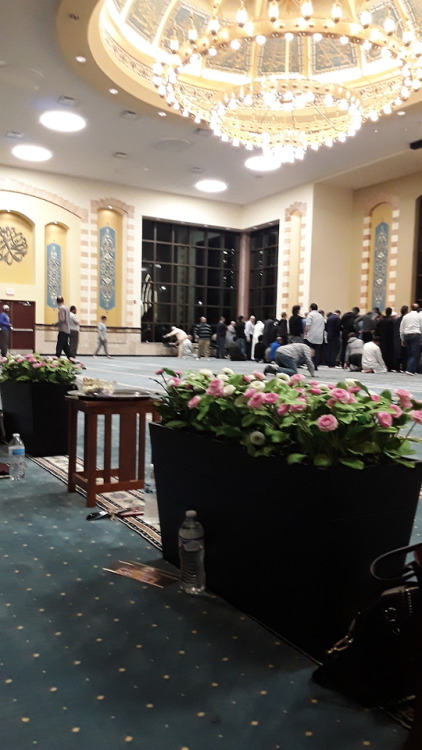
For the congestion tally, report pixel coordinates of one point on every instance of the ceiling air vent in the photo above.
(129, 114)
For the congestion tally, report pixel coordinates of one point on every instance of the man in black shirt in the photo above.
(295, 326)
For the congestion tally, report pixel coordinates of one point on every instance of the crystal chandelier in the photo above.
(282, 76)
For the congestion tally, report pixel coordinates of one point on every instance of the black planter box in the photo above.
(38, 412)
(291, 546)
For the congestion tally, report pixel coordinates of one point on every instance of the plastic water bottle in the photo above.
(16, 457)
(191, 555)
(150, 499)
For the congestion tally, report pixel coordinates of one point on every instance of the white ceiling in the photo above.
(34, 75)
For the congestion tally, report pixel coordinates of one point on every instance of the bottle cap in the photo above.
(191, 514)
(16, 434)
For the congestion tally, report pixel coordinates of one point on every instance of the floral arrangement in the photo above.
(301, 421)
(35, 368)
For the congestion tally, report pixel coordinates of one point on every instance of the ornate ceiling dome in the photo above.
(280, 75)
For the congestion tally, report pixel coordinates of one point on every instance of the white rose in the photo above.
(227, 371)
(228, 390)
(207, 373)
(283, 376)
(258, 385)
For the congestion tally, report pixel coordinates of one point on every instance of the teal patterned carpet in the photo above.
(93, 660)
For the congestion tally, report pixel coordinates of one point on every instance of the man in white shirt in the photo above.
(410, 334)
(314, 332)
(249, 331)
(372, 360)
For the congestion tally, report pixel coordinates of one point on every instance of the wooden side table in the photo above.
(130, 472)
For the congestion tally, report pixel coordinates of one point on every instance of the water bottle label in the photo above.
(16, 451)
(191, 545)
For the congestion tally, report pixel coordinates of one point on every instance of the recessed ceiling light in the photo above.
(113, 91)
(31, 153)
(263, 163)
(211, 186)
(80, 59)
(162, 114)
(63, 122)
(401, 112)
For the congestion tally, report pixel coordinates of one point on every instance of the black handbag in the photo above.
(377, 661)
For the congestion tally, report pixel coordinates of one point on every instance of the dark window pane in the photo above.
(164, 314)
(214, 238)
(269, 257)
(213, 297)
(147, 268)
(200, 276)
(199, 256)
(181, 274)
(197, 236)
(199, 296)
(163, 254)
(181, 294)
(214, 257)
(163, 293)
(181, 234)
(269, 278)
(164, 232)
(182, 254)
(213, 277)
(148, 229)
(147, 251)
(162, 273)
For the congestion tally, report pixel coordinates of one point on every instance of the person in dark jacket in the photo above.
(385, 330)
(221, 338)
(240, 334)
(283, 328)
(347, 326)
(295, 326)
(400, 351)
(269, 333)
(332, 329)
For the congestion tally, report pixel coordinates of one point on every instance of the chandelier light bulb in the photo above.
(192, 32)
(336, 12)
(213, 26)
(289, 36)
(306, 9)
(365, 18)
(241, 15)
(344, 40)
(317, 37)
(389, 25)
(235, 44)
(273, 10)
(260, 39)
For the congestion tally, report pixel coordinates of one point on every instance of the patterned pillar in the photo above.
(292, 258)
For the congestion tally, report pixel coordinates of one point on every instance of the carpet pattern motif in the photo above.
(109, 501)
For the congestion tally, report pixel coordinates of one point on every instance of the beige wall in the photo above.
(403, 194)
(333, 263)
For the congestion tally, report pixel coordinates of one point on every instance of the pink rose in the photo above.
(174, 382)
(406, 403)
(402, 392)
(327, 423)
(416, 415)
(375, 397)
(37, 364)
(193, 403)
(316, 391)
(353, 388)
(340, 394)
(283, 409)
(215, 388)
(384, 418)
(159, 372)
(257, 399)
(296, 378)
(397, 412)
(300, 406)
(258, 375)
(270, 398)
(247, 378)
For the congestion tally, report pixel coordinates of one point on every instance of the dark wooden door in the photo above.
(22, 319)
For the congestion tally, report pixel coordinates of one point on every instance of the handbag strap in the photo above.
(410, 569)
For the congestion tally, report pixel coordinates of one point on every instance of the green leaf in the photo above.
(176, 424)
(322, 460)
(352, 463)
(295, 458)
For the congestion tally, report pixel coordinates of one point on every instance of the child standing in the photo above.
(102, 336)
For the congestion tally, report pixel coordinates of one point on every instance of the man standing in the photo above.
(333, 328)
(314, 331)
(63, 327)
(295, 326)
(4, 330)
(240, 334)
(74, 331)
(410, 334)
(249, 329)
(348, 321)
(203, 337)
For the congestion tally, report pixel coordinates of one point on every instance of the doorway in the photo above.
(22, 320)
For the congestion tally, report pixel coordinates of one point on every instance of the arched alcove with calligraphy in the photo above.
(56, 282)
(17, 263)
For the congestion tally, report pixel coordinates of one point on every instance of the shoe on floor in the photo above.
(270, 370)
